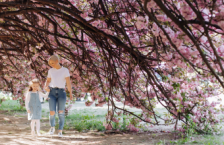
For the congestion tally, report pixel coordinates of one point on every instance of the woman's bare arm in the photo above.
(69, 86)
(46, 88)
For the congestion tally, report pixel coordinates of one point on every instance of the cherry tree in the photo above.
(116, 49)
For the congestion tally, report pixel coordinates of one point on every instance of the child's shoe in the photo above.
(52, 130)
(33, 133)
(60, 134)
(38, 134)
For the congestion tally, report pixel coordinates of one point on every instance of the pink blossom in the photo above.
(148, 119)
(161, 17)
(141, 23)
(88, 103)
(132, 128)
(108, 126)
(151, 4)
(100, 104)
(115, 120)
(221, 24)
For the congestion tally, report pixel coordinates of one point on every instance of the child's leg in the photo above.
(32, 124)
(38, 126)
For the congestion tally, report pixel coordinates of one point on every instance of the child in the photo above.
(33, 105)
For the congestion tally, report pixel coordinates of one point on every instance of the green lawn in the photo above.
(11, 105)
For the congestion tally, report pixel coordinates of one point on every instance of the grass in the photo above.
(12, 105)
(43, 132)
(83, 122)
(211, 140)
(77, 116)
(196, 140)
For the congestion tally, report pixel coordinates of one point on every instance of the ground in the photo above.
(15, 129)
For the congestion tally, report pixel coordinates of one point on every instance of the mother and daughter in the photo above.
(58, 76)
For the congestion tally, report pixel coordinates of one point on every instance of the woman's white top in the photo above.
(58, 77)
(41, 96)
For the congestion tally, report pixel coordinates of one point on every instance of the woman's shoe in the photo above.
(60, 134)
(52, 130)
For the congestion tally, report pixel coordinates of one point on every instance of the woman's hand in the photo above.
(28, 111)
(71, 97)
(47, 89)
(69, 86)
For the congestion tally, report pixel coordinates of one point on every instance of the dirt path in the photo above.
(15, 129)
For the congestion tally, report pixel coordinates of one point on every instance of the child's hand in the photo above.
(28, 111)
(47, 89)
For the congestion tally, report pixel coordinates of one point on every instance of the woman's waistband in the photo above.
(56, 88)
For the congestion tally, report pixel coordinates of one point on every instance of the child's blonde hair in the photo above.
(32, 82)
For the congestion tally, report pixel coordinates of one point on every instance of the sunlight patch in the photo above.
(6, 118)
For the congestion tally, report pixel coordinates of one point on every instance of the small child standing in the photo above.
(33, 105)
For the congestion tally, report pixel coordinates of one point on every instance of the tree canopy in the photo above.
(116, 49)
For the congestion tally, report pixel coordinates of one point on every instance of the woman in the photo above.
(57, 77)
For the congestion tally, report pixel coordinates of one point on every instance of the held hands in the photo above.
(28, 111)
(47, 89)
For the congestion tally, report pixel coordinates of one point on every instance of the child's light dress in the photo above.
(33, 103)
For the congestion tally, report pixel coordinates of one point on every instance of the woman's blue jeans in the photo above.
(57, 99)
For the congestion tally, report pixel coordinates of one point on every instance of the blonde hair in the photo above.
(32, 82)
(54, 58)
